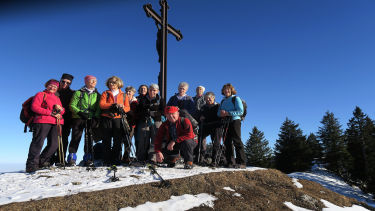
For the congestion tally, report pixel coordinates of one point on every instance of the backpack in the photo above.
(243, 104)
(27, 115)
(195, 129)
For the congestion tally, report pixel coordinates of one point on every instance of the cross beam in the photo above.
(161, 42)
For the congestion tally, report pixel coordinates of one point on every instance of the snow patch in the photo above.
(228, 188)
(294, 207)
(329, 207)
(332, 207)
(296, 183)
(176, 203)
(19, 186)
(334, 183)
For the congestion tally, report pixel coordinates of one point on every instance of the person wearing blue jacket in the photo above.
(231, 107)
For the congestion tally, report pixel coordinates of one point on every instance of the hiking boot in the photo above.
(240, 166)
(87, 157)
(172, 162)
(188, 165)
(31, 169)
(72, 157)
(231, 166)
(88, 163)
(45, 165)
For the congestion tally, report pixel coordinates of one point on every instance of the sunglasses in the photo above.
(66, 82)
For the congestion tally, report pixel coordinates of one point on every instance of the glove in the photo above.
(83, 115)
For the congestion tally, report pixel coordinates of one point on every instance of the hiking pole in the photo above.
(200, 140)
(89, 148)
(126, 128)
(224, 130)
(163, 183)
(61, 147)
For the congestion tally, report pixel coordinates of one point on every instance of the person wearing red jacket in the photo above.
(178, 137)
(48, 113)
(113, 104)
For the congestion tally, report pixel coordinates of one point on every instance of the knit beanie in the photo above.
(89, 77)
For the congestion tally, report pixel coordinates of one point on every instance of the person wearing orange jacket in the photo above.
(113, 103)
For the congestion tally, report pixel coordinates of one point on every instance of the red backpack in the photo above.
(27, 115)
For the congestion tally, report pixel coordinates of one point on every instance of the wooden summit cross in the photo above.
(161, 42)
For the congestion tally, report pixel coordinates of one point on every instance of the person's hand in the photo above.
(57, 116)
(120, 105)
(57, 107)
(159, 157)
(223, 113)
(171, 145)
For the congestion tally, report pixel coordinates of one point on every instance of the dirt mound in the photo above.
(260, 190)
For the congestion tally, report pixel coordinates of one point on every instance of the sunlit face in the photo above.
(182, 90)
(51, 88)
(65, 83)
(112, 84)
(153, 92)
(210, 100)
(199, 91)
(173, 117)
(91, 83)
(227, 92)
(143, 90)
(130, 94)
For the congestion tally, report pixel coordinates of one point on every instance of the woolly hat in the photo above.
(67, 76)
(170, 109)
(53, 82)
(89, 77)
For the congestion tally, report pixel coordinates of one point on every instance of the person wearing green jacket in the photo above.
(85, 109)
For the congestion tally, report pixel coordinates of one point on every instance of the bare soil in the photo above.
(260, 190)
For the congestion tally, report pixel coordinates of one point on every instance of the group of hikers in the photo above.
(163, 133)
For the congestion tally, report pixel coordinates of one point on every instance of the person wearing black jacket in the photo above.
(211, 124)
(65, 94)
(149, 118)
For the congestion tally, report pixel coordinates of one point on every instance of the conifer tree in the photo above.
(335, 155)
(292, 152)
(360, 140)
(257, 150)
(315, 146)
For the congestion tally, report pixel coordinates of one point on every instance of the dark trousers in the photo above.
(78, 125)
(144, 140)
(233, 137)
(113, 138)
(40, 133)
(185, 148)
(214, 132)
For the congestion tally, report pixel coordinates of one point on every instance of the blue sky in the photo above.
(286, 58)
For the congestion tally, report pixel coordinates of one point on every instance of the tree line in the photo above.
(348, 153)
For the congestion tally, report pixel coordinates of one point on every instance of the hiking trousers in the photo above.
(41, 131)
(144, 140)
(233, 138)
(185, 148)
(77, 130)
(112, 128)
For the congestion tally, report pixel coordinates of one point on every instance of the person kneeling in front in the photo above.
(174, 137)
